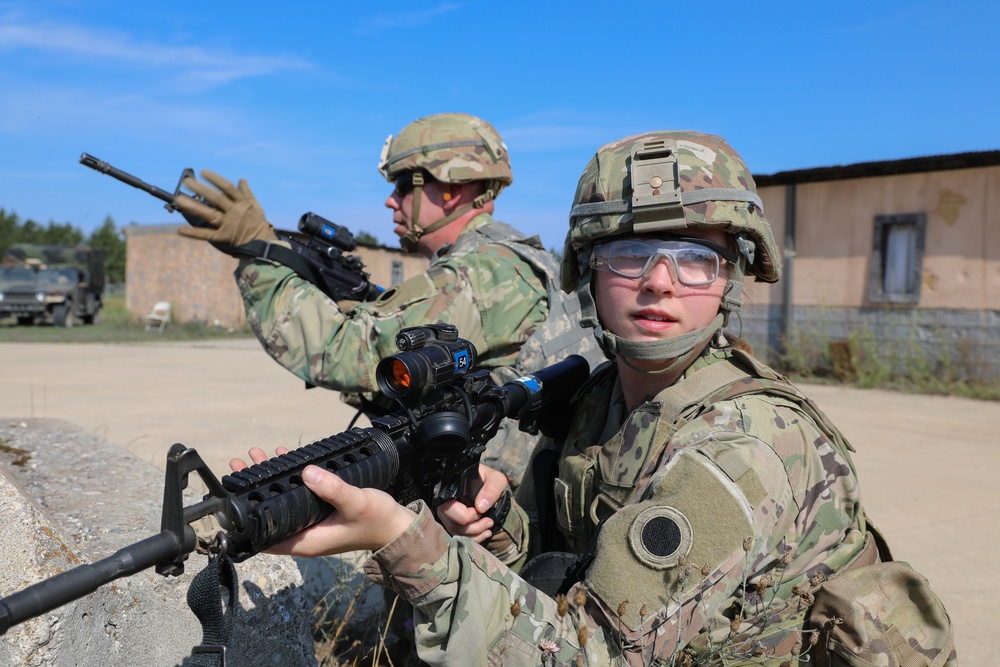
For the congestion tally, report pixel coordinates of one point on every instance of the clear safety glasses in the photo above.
(694, 261)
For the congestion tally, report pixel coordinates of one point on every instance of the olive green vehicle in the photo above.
(62, 284)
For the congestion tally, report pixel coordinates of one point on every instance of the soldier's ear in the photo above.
(452, 196)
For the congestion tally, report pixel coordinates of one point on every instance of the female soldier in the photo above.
(705, 495)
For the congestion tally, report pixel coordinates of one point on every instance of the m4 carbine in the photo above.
(429, 450)
(318, 249)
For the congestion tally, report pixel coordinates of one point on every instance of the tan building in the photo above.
(197, 280)
(904, 254)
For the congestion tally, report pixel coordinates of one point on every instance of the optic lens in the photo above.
(400, 375)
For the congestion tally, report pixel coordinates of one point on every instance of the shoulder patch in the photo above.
(660, 536)
(417, 288)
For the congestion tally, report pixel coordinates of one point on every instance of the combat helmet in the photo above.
(662, 183)
(451, 148)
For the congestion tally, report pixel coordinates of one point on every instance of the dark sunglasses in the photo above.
(405, 184)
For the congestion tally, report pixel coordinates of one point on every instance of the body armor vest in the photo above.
(595, 480)
(560, 335)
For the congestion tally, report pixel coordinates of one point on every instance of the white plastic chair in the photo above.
(159, 317)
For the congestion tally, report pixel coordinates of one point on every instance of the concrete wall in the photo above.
(194, 277)
(69, 498)
(834, 233)
(828, 275)
(379, 260)
(198, 280)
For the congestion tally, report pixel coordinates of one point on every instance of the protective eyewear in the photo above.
(694, 261)
(405, 182)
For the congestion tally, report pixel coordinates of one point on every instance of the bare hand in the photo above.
(257, 455)
(460, 519)
(362, 518)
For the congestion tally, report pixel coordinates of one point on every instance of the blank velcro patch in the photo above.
(660, 536)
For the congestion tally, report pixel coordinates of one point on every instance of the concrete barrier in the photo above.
(69, 497)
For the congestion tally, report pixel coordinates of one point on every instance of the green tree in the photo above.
(111, 240)
(10, 227)
(107, 237)
(32, 232)
(366, 239)
(61, 233)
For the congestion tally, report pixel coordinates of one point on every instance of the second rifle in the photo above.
(318, 251)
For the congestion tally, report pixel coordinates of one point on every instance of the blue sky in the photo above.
(299, 100)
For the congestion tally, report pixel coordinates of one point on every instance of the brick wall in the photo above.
(198, 281)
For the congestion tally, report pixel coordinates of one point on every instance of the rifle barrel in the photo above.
(73, 584)
(125, 177)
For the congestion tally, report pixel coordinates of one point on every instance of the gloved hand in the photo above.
(232, 213)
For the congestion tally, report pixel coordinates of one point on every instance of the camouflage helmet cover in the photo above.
(451, 147)
(711, 187)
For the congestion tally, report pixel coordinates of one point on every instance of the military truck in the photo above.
(62, 284)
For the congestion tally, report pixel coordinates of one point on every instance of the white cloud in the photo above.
(203, 66)
(71, 110)
(380, 22)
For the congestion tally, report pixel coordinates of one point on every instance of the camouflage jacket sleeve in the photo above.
(749, 504)
(469, 608)
(678, 570)
(491, 295)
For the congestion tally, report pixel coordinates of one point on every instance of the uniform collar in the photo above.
(479, 221)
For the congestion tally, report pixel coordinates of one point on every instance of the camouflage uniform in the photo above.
(777, 507)
(707, 517)
(494, 284)
(499, 287)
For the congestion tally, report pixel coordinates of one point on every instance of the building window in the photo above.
(397, 272)
(898, 258)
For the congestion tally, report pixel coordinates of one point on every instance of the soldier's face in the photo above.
(401, 205)
(656, 306)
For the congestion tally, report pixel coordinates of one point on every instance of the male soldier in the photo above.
(499, 287)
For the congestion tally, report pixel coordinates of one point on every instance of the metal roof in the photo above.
(884, 168)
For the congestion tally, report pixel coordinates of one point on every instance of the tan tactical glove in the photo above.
(232, 214)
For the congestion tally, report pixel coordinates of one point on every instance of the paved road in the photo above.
(928, 465)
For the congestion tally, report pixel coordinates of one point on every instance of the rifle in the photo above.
(317, 249)
(429, 450)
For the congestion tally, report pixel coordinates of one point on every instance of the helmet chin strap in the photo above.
(679, 350)
(409, 240)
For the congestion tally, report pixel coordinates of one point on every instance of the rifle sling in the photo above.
(275, 252)
(205, 599)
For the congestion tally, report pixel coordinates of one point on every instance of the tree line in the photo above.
(108, 237)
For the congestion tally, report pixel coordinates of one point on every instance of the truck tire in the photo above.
(63, 315)
(92, 309)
